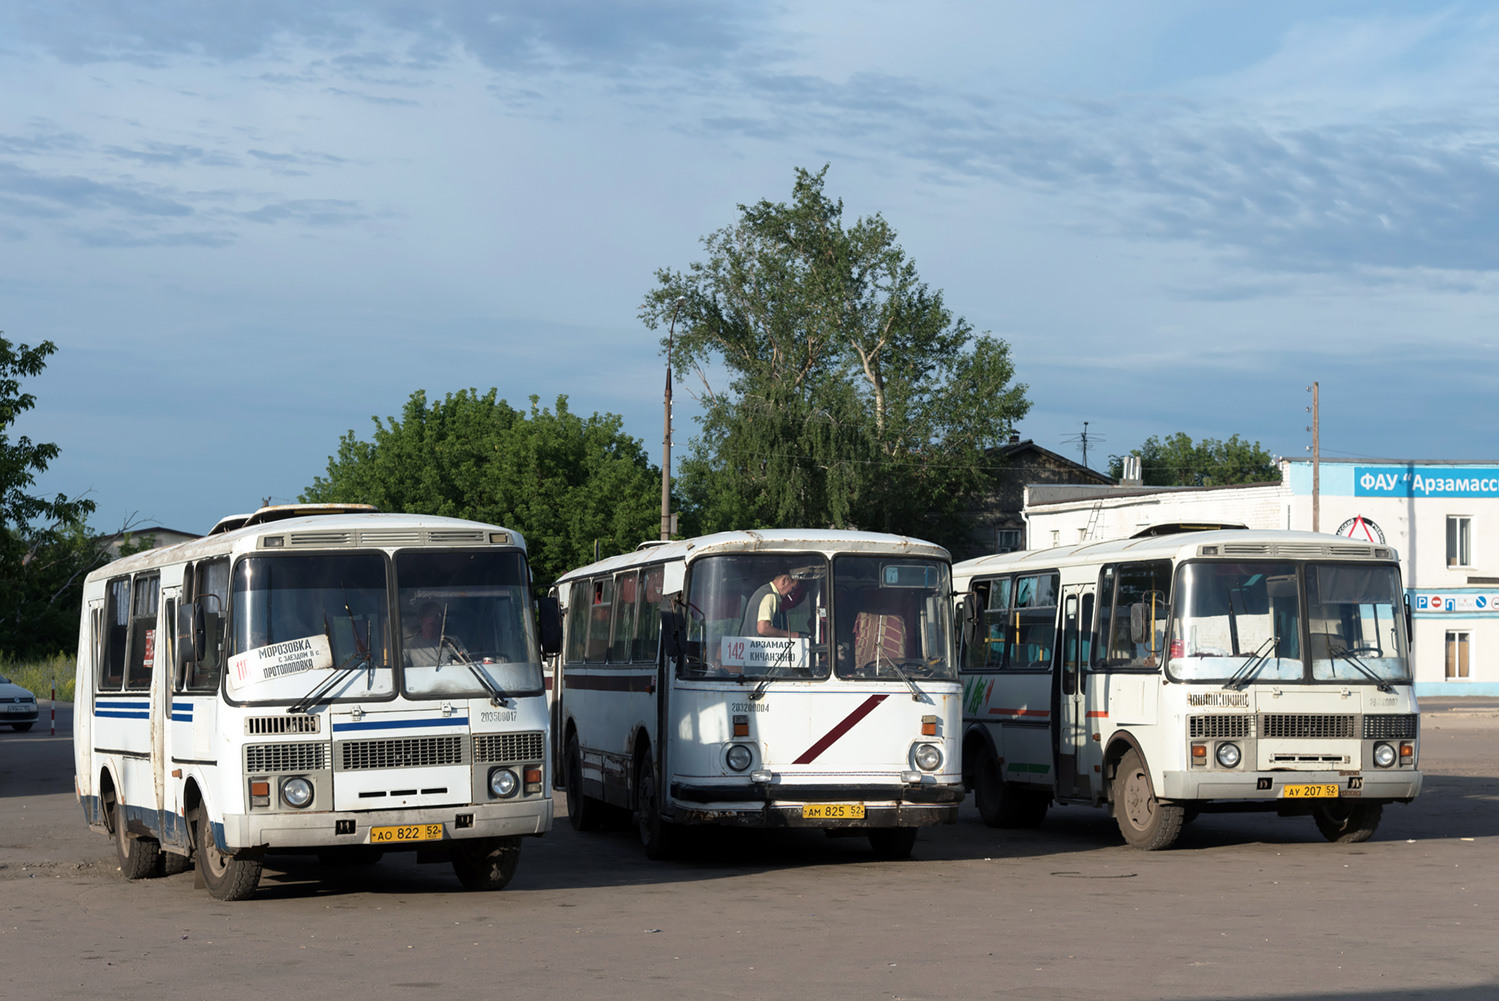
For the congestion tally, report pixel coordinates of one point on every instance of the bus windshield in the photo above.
(463, 616)
(1357, 624)
(758, 617)
(1237, 621)
(891, 618)
(298, 618)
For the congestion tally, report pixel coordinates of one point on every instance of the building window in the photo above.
(1457, 655)
(1056, 537)
(1459, 541)
(1006, 540)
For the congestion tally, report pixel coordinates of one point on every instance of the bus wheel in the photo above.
(1347, 823)
(227, 877)
(170, 863)
(137, 855)
(1145, 821)
(583, 812)
(892, 843)
(486, 863)
(1003, 805)
(658, 836)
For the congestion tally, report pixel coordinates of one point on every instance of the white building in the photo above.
(1434, 514)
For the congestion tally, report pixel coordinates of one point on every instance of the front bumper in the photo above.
(1395, 784)
(31, 715)
(776, 805)
(319, 830)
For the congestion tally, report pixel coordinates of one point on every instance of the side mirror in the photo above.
(968, 618)
(1145, 618)
(550, 619)
(200, 633)
(673, 632)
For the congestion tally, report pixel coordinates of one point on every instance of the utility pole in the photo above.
(666, 434)
(1085, 443)
(1316, 449)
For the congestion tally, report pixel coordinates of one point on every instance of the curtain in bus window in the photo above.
(116, 630)
(579, 602)
(1147, 585)
(1356, 617)
(600, 606)
(626, 603)
(895, 614)
(1033, 621)
(1229, 618)
(143, 606)
(648, 629)
(212, 597)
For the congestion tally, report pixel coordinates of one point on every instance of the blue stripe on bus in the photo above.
(99, 715)
(182, 719)
(401, 723)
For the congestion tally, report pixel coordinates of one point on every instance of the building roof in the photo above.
(1017, 448)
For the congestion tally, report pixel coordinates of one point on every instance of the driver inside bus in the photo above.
(429, 645)
(765, 615)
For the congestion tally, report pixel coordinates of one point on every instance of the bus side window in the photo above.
(1033, 622)
(1085, 636)
(579, 600)
(116, 630)
(986, 651)
(1149, 585)
(598, 620)
(648, 632)
(626, 593)
(144, 600)
(211, 597)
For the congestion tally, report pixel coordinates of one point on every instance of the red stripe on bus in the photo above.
(828, 739)
(1098, 714)
(1019, 712)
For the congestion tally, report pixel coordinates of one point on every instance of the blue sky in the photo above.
(249, 227)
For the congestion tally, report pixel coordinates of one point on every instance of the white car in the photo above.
(17, 706)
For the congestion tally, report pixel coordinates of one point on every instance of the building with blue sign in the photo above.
(1441, 517)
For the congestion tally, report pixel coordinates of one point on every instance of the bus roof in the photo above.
(1247, 543)
(770, 540)
(370, 530)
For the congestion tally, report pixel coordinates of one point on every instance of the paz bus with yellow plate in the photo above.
(761, 679)
(316, 679)
(1173, 673)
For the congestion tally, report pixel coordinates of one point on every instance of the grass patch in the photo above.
(39, 675)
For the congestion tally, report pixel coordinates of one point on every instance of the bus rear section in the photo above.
(296, 690)
(807, 680)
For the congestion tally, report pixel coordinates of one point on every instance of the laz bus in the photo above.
(316, 679)
(1163, 676)
(762, 679)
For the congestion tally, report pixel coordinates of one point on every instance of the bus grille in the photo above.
(256, 726)
(261, 758)
(507, 747)
(455, 536)
(1307, 725)
(401, 752)
(1390, 727)
(1210, 727)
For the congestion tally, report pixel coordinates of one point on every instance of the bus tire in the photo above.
(584, 812)
(891, 844)
(657, 836)
(170, 863)
(137, 855)
(1145, 821)
(486, 863)
(1002, 804)
(227, 877)
(1347, 824)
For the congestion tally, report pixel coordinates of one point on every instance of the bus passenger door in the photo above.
(1073, 760)
(165, 659)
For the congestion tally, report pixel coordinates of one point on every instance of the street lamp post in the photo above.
(666, 435)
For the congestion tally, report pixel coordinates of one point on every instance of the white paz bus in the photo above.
(315, 679)
(762, 679)
(1181, 672)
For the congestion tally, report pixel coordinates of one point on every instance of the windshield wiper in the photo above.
(1346, 654)
(1248, 669)
(361, 657)
(497, 695)
(770, 675)
(917, 695)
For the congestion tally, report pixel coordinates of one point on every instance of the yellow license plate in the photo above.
(406, 832)
(833, 811)
(1328, 791)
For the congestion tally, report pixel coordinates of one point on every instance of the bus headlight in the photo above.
(503, 783)
(739, 757)
(1228, 755)
(296, 793)
(928, 757)
(1384, 755)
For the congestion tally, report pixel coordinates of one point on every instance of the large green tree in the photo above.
(45, 545)
(561, 480)
(1177, 461)
(855, 397)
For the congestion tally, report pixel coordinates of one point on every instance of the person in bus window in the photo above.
(765, 615)
(429, 646)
